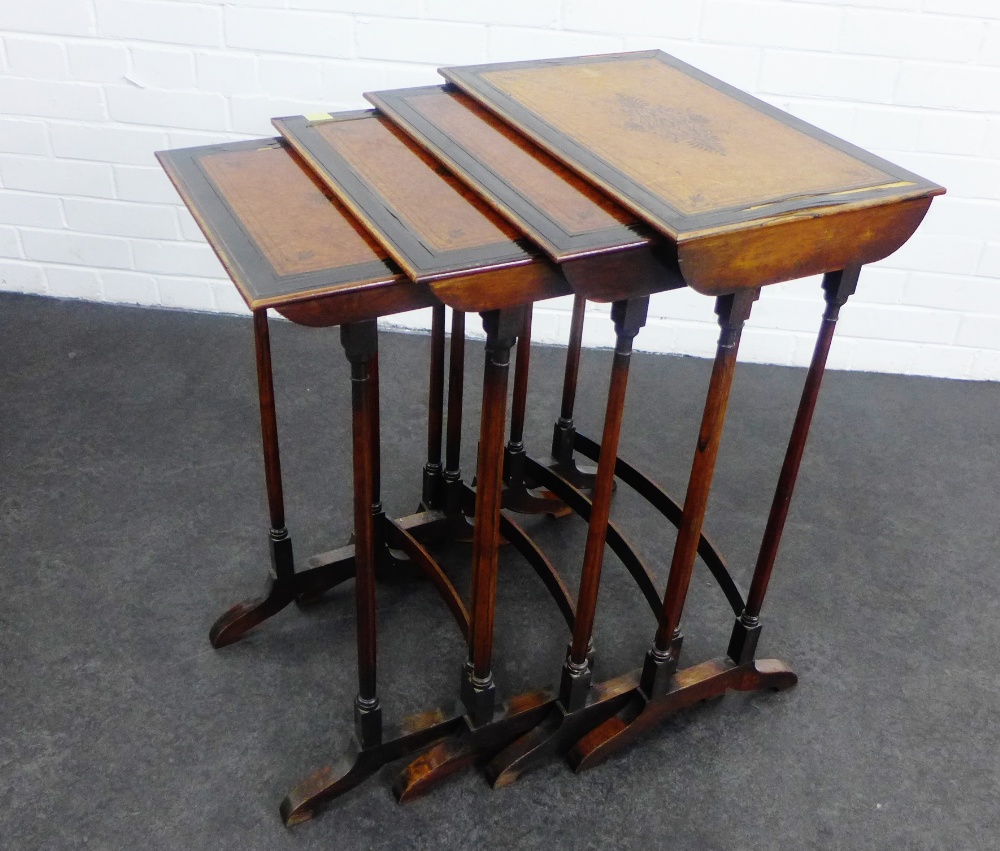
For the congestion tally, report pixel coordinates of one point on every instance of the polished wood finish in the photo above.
(663, 689)
(468, 743)
(737, 165)
(631, 274)
(517, 496)
(258, 236)
(519, 400)
(562, 213)
(399, 537)
(600, 246)
(360, 343)
(370, 748)
(798, 245)
(250, 199)
(578, 502)
(732, 311)
(478, 689)
(838, 287)
(358, 303)
(354, 216)
(564, 431)
(358, 764)
(686, 688)
(281, 590)
(629, 317)
(517, 537)
(268, 421)
(433, 471)
(567, 720)
(438, 231)
(662, 502)
(454, 489)
(501, 288)
(561, 728)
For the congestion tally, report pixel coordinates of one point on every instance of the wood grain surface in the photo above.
(577, 206)
(698, 148)
(313, 231)
(440, 211)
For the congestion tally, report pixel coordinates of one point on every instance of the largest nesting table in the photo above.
(609, 178)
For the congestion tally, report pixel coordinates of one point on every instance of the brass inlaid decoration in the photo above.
(575, 205)
(314, 232)
(440, 211)
(698, 148)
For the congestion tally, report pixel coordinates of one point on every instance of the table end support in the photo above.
(231, 626)
(674, 693)
(360, 761)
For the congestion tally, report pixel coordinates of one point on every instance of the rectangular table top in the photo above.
(564, 214)
(750, 194)
(683, 150)
(278, 231)
(433, 225)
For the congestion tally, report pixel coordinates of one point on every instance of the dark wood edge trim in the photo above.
(558, 243)
(376, 300)
(420, 262)
(237, 251)
(623, 188)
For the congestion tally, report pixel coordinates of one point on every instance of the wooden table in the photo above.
(611, 178)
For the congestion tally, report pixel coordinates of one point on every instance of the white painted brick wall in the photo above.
(90, 88)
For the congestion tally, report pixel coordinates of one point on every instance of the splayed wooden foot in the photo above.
(560, 729)
(360, 763)
(470, 744)
(687, 687)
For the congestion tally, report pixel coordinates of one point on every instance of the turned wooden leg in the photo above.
(478, 690)
(629, 317)
(519, 400)
(360, 342)
(433, 484)
(483, 729)
(517, 496)
(370, 748)
(565, 431)
(838, 287)
(661, 660)
(573, 712)
(243, 616)
(663, 689)
(454, 488)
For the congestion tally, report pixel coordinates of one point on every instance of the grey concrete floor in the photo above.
(132, 513)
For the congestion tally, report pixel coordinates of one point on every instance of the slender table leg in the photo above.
(432, 496)
(564, 430)
(243, 616)
(485, 728)
(478, 689)
(574, 713)
(838, 287)
(371, 749)
(661, 660)
(663, 689)
(454, 488)
(517, 497)
(325, 570)
(360, 342)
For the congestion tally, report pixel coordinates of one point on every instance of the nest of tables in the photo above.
(605, 178)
